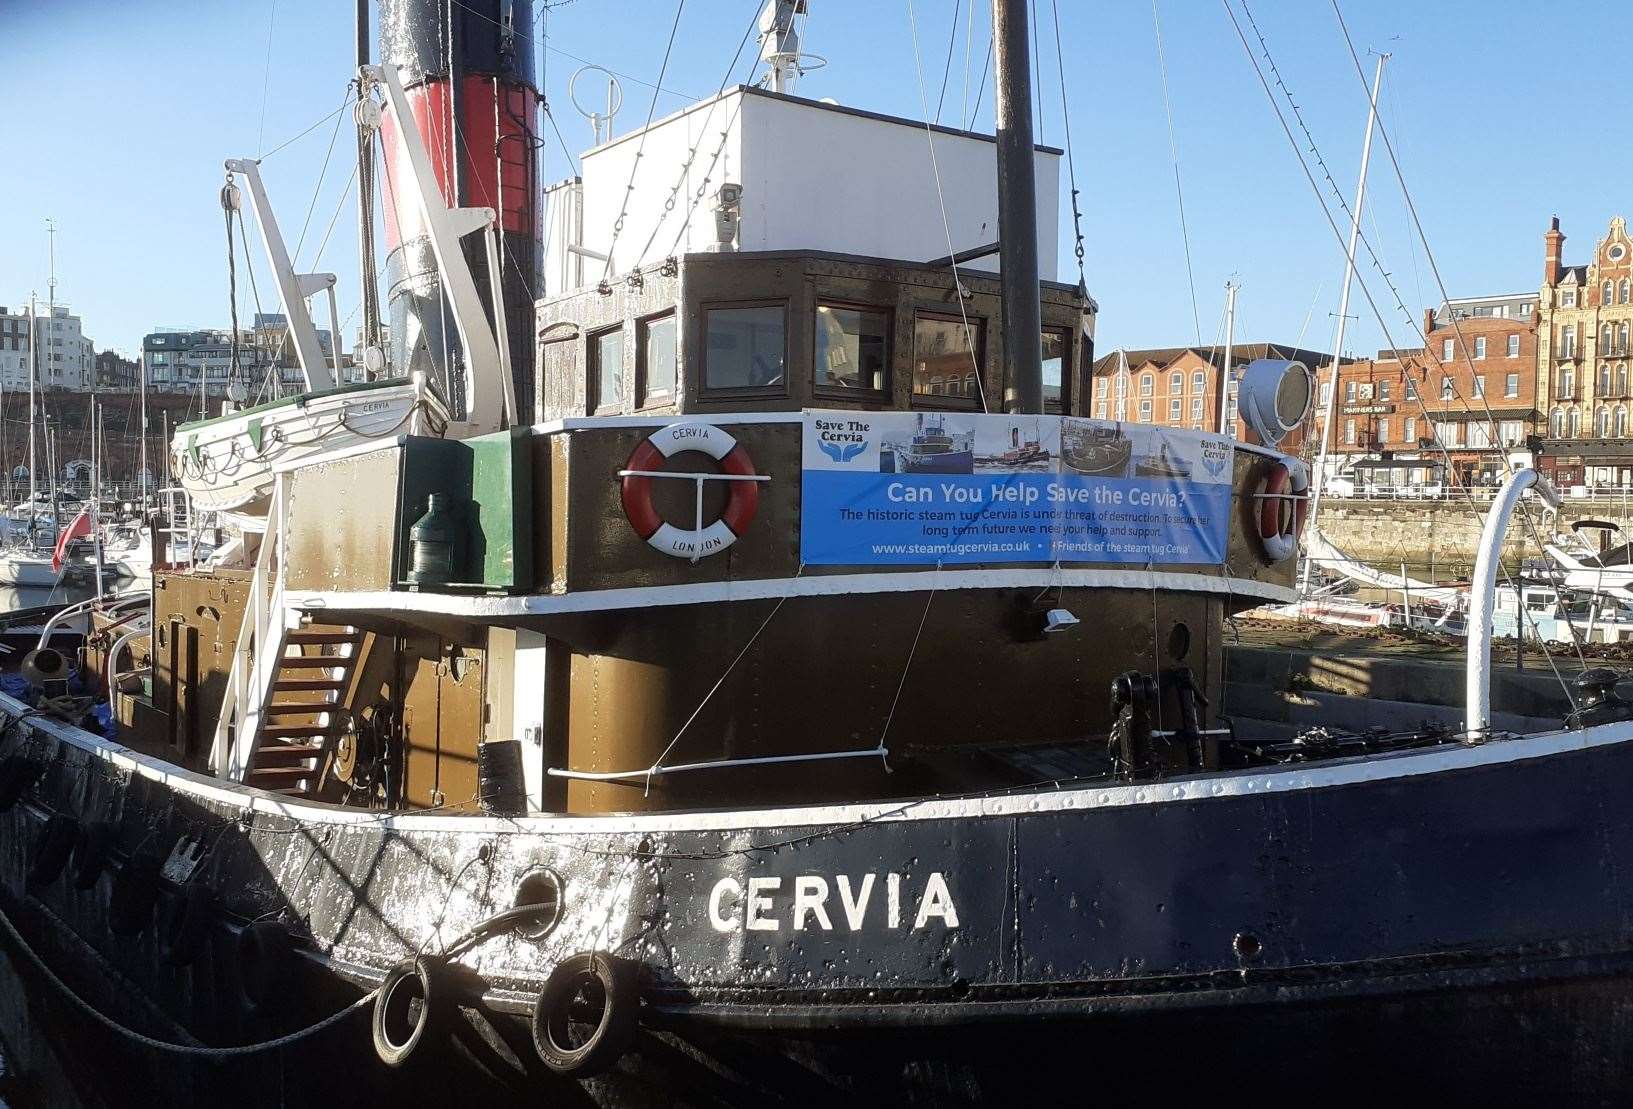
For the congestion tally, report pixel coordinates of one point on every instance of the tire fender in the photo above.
(408, 1008)
(90, 854)
(135, 893)
(616, 981)
(51, 850)
(263, 960)
(17, 773)
(184, 922)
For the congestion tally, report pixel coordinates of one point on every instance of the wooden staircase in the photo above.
(301, 717)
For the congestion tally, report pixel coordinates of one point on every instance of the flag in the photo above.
(80, 526)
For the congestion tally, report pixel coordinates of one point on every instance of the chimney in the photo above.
(1428, 323)
(1554, 242)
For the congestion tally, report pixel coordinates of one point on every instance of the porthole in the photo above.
(541, 890)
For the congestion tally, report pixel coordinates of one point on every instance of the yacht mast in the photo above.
(1319, 479)
(33, 374)
(365, 208)
(1017, 208)
(1227, 423)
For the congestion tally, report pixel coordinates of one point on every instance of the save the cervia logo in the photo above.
(1215, 457)
(842, 452)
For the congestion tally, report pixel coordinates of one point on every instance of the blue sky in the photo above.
(120, 112)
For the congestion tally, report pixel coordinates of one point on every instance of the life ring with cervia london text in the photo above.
(736, 469)
(1283, 498)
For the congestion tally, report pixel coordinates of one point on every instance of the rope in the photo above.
(941, 202)
(947, 68)
(195, 1050)
(323, 172)
(640, 147)
(908, 665)
(1071, 165)
(1179, 192)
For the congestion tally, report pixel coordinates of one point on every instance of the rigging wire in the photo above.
(1071, 165)
(1360, 280)
(947, 68)
(952, 252)
(1179, 191)
(266, 77)
(640, 147)
(307, 131)
(323, 173)
(981, 88)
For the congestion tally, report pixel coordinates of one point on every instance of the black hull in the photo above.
(1464, 908)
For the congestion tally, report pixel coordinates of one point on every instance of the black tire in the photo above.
(263, 960)
(184, 922)
(584, 982)
(51, 849)
(408, 1009)
(90, 854)
(17, 773)
(135, 893)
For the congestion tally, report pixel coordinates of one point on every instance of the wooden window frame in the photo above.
(593, 401)
(643, 398)
(936, 401)
(842, 392)
(746, 392)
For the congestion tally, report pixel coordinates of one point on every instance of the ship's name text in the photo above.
(811, 901)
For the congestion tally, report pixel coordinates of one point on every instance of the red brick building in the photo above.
(1458, 405)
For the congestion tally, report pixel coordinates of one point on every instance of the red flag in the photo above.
(80, 526)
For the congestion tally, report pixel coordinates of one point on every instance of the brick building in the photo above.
(1179, 386)
(1458, 406)
(1585, 313)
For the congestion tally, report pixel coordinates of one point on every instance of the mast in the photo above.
(96, 491)
(33, 450)
(1017, 208)
(1320, 477)
(141, 450)
(1226, 423)
(365, 207)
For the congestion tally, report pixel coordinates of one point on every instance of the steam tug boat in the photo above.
(666, 746)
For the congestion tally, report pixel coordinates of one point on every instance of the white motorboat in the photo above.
(226, 463)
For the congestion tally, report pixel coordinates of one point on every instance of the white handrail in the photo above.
(1483, 595)
(713, 764)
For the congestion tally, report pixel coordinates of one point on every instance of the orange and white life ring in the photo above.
(742, 496)
(1284, 497)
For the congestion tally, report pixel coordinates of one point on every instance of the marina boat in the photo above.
(935, 450)
(658, 741)
(1096, 447)
(1162, 463)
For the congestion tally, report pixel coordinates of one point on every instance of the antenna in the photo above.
(780, 44)
(51, 251)
(615, 101)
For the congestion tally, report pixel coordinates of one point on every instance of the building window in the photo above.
(1512, 432)
(1175, 409)
(1446, 350)
(1525, 309)
(1573, 423)
(1196, 408)
(1604, 380)
(1147, 384)
(852, 348)
(1604, 339)
(1349, 392)
(1446, 433)
(1410, 435)
(1349, 432)
(1446, 387)
(1057, 375)
(745, 347)
(1621, 339)
(1620, 427)
(1100, 389)
(1199, 381)
(1567, 298)
(1511, 385)
(1604, 293)
(1145, 411)
(1176, 382)
(1479, 386)
(1601, 423)
(1326, 394)
(1100, 410)
(945, 357)
(1621, 379)
(655, 369)
(1513, 346)
(1411, 388)
(1479, 346)
(1567, 341)
(1623, 291)
(606, 376)
(1383, 431)
(1567, 385)
(1383, 388)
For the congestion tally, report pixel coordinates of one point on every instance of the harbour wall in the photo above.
(1443, 535)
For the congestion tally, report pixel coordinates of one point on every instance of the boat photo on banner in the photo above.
(921, 488)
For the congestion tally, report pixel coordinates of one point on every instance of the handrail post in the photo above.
(1483, 596)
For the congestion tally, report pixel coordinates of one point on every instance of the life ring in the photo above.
(570, 1036)
(56, 840)
(135, 892)
(89, 857)
(1287, 485)
(406, 1008)
(184, 922)
(742, 499)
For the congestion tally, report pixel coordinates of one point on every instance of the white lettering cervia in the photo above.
(810, 902)
(687, 434)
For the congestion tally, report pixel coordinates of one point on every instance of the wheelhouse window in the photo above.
(852, 348)
(945, 358)
(655, 373)
(1057, 374)
(745, 347)
(606, 370)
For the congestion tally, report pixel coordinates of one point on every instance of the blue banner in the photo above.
(921, 488)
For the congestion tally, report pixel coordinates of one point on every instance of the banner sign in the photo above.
(921, 488)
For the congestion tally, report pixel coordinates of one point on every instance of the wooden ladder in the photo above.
(301, 718)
